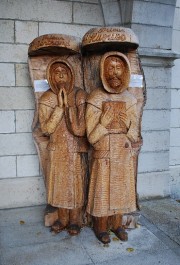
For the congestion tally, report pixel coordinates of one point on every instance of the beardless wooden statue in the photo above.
(61, 116)
(59, 128)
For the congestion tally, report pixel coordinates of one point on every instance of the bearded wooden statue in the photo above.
(114, 78)
(111, 120)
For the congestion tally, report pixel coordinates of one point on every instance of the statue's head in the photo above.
(115, 72)
(60, 75)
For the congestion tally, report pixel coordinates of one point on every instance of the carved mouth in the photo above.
(115, 82)
(62, 81)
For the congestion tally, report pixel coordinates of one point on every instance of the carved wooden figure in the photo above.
(61, 122)
(113, 119)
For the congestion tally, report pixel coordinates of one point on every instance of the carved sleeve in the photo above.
(95, 131)
(76, 119)
(76, 115)
(49, 118)
(133, 131)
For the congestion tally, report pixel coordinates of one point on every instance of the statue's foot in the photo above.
(57, 227)
(103, 237)
(121, 234)
(74, 229)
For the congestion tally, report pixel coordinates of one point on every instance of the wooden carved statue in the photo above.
(110, 116)
(113, 124)
(61, 120)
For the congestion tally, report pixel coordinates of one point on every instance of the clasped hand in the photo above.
(62, 98)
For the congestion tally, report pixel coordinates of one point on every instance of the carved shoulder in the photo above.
(49, 99)
(96, 97)
(130, 98)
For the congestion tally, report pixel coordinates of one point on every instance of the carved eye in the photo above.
(57, 73)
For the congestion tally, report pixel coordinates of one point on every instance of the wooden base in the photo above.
(50, 215)
(130, 221)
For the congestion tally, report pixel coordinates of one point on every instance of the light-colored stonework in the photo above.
(157, 61)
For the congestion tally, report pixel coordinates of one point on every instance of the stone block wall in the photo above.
(152, 21)
(21, 21)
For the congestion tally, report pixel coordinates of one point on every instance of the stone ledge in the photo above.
(158, 57)
(158, 53)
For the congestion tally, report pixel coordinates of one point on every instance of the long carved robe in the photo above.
(112, 179)
(66, 149)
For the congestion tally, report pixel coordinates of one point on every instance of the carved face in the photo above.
(113, 69)
(60, 74)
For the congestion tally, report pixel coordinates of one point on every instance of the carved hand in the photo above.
(130, 137)
(107, 117)
(60, 98)
(123, 117)
(65, 98)
(71, 114)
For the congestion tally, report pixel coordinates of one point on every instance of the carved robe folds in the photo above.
(112, 183)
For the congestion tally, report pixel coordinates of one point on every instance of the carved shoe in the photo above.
(103, 237)
(74, 229)
(121, 234)
(57, 227)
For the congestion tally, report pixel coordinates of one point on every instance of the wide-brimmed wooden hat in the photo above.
(109, 38)
(60, 44)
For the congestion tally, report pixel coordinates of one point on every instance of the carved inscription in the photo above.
(104, 37)
(116, 34)
(52, 41)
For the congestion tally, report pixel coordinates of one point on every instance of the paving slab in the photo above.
(50, 253)
(25, 241)
(156, 258)
(30, 215)
(140, 240)
(165, 215)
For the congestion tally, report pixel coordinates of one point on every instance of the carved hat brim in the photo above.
(104, 38)
(60, 44)
(49, 76)
(125, 76)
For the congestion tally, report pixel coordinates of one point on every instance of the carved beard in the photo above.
(114, 82)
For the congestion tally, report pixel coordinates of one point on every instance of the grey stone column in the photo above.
(175, 111)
